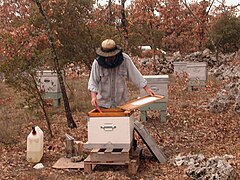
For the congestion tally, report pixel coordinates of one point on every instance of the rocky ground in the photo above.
(193, 129)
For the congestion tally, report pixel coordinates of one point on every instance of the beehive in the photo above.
(159, 84)
(197, 71)
(48, 81)
(113, 128)
(180, 67)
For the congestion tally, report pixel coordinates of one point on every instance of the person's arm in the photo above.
(93, 83)
(136, 77)
(148, 90)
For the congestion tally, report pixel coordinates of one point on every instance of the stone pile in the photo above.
(221, 69)
(216, 168)
(165, 63)
(228, 96)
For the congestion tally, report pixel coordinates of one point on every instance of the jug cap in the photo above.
(34, 132)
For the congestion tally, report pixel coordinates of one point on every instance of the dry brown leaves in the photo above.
(190, 128)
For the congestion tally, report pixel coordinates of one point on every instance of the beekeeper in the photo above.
(109, 74)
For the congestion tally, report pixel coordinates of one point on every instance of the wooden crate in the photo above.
(124, 156)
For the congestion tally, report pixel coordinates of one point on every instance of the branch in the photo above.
(211, 4)
(199, 21)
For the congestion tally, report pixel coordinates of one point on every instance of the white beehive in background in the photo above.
(180, 67)
(159, 84)
(197, 71)
(48, 81)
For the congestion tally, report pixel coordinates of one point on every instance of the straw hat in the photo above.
(108, 48)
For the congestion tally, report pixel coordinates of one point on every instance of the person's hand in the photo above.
(149, 91)
(94, 102)
(94, 99)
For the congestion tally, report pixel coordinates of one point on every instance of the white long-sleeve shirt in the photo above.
(110, 84)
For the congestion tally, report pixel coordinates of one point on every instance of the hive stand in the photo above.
(196, 84)
(55, 96)
(160, 106)
(109, 156)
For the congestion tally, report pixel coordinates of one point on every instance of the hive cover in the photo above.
(136, 103)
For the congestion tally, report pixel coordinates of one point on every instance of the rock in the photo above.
(177, 55)
(237, 55)
(144, 61)
(164, 70)
(206, 53)
(216, 168)
(38, 166)
(187, 160)
(219, 104)
(196, 54)
(237, 105)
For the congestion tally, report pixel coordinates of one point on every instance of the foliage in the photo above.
(69, 23)
(226, 33)
(79, 27)
(144, 23)
(23, 48)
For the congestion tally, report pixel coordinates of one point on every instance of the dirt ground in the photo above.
(190, 128)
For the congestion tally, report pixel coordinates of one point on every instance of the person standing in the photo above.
(109, 74)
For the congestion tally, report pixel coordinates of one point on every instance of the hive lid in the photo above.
(156, 76)
(136, 103)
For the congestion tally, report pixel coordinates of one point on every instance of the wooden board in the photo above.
(66, 163)
(109, 155)
(148, 140)
(136, 103)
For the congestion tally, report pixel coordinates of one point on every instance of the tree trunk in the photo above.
(110, 18)
(124, 24)
(42, 105)
(70, 121)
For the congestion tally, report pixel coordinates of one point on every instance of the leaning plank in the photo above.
(148, 140)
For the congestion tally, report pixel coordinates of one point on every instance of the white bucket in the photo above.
(35, 145)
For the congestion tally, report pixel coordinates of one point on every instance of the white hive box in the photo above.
(113, 128)
(180, 67)
(197, 71)
(110, 129)
(48, 81)
(159, 84)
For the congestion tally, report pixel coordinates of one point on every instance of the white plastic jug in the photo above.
(35, 145)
